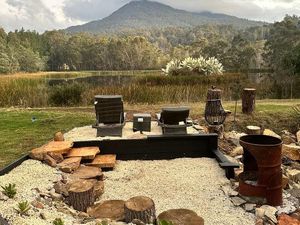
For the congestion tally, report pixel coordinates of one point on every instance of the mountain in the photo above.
(144, 14)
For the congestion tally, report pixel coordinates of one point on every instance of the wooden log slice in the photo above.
(181, 217)
(253, 130)
(85, 152)
(248, 100)
(87, 172)
(113, 209)
(81, 195)
(141, 208)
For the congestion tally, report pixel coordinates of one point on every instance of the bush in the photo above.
(66, 94)
(194, 66)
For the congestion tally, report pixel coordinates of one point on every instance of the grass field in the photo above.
(18, 134)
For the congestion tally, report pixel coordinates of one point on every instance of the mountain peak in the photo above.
(146, 14)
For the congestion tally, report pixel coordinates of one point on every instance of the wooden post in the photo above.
(81, 194)
(141, 208)
(248, 100)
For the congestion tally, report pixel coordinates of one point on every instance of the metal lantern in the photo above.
(214, 112)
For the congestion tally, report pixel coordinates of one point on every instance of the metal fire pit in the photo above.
(262, 175)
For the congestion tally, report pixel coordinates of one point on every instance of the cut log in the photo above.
(58, 136)
(141, 208)
(81, 195)
(104, 161)
(253, 130)
(98, 188)
(181, 217)
(70, 165)
(248, 100)
(87, 172)
(113, 209)
(59, 147)
(85, 153)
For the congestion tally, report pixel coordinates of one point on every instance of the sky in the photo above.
(41, 15)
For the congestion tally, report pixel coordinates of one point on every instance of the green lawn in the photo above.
(18, 134)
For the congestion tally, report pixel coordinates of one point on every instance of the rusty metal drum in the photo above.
(262, 175)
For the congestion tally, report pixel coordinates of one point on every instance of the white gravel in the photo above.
(88, 133)
(28, 176)
(194, 184)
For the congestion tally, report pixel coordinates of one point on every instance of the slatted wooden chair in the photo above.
(174, 120)
(110, 116)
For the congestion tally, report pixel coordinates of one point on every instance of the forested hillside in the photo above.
(274, 46)
(145, 14)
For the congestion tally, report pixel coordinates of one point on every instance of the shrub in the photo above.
(58, 221)
(9, 190)
(23, 208)
(190, 66)
(66, 94)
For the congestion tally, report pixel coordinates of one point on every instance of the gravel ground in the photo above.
(89, 133)
(181, 183)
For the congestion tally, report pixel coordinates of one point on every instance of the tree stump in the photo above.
(141, 208)
(112, 209)
(248, 100)
(253, 130)
(213, 94)
(81, 195)
(181, 217)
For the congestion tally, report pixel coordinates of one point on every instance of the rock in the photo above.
(260, 212)
(259, 221)
(70, 165)
(289, 205)
(237, 151)
(50, 161)
(61, 188)
(56, 197)
(37, 204)
(58, 136)
(267, 212)
(232, 193)
(3, 197)
(291, 151)
(112, 209)
(284, 219)
(137, 222)
(287, 137)
(43, 216)
(295, 193)
(293, 175)
(285, 182)
(271, 133)
(249, 207)
(83, 215)
(296, 214)
(237, 201)
(56, 156)
(233, 137)
(60, 147)
(298, 136)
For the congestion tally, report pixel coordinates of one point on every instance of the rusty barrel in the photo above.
(262, 175)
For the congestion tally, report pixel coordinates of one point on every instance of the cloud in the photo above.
(44, 15)
(88, 10)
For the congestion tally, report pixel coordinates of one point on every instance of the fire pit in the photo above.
(262, 175)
